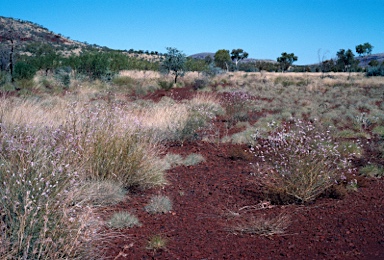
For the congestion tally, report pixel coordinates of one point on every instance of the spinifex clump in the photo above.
(299, 161)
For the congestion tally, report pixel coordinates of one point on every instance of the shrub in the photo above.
(23, 70)
(165, 84)
(63, 75)
(99, 193)
(157, 242)
(372, 170)
(123, 219)
(375, 71)
(124, 81)
(159, 204)
(125, 158)
(172, 160)
(34, 181)
(237, 106)
(299, 162)
(379, 130)
(193, 159)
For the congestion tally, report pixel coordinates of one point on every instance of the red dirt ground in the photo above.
(209, 198)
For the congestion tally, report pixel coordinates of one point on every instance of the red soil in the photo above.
(212, 197)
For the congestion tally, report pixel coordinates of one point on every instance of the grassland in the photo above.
(70, 154)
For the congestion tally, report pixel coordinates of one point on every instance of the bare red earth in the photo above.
(213, 196)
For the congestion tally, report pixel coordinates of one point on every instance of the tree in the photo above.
(222, 59)
(364, 49)
(174, 62)
(345, 60)
(238, 55)
(286, 60)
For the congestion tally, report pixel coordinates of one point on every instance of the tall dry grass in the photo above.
(51, 149)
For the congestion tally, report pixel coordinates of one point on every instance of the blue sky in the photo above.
(263, 28)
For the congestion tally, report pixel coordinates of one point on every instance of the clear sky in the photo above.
(263, 28)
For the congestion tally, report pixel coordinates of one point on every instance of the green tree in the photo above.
(346, 61)
(238, 55)
(286, 60)
(174, 62)
(222, 59)
(364, 49)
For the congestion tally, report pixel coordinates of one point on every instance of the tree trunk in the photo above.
(11, 62)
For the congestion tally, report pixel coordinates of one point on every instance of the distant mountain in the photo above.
(24, 33)
(365, 60)
(202, 55)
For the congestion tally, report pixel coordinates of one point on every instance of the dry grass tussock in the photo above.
(53, 152)
(312, 80)
(144, 74)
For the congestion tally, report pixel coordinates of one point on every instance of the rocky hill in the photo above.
(366, 59)
(24, 33)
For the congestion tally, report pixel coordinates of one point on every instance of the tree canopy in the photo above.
(346, 60)
(286, 60)
(222, 59)
(238, 55)
(174, 62)
(364, 49)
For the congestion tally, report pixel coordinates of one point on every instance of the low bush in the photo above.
(99, 193)
(159, 204)
(123, 219)
(126, 158)
(372, 170)
(157, 242)
(375, 71)
(193, 159)
(166, 85)
(298, 162)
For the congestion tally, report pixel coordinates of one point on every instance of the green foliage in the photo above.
(122, 220)
(372, 170)
(346, 61)
(124, 81)
(159, 204)
(373, 63)
(165, 84)
(286, 60)
(198, 65)
(364, 49)
(379, 130)
(174, 62)
(267, 66)
(222, 59)
(23, 70)
(156, 243)
(375, 71)
(238, 55)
